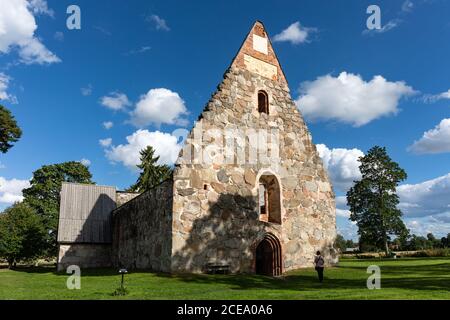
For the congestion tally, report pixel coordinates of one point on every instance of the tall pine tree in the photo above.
(151, 174)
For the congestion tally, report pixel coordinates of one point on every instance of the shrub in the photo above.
(438, 252)
(121, 291)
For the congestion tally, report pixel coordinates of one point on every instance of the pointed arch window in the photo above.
(263, 102)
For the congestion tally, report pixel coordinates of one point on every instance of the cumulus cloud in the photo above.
(41, 7)
(294, 34)
(115, 101)
(159, 106)
(105, 142)
(17, 31)
(108, 125)
(11, 190)
(349, 99)
(342, 165)
(4, 84)
(85, 162)
(436, 140)
(166, 146)
(428, 198)
(439, 225)
(160, 23)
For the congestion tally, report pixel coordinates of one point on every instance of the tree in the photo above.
(445, 241)
(373, 200)
(22, 234)
(151, 174)
(340, 243)
(433, 242)
(9, 131)
(44, 194)
(419, 243)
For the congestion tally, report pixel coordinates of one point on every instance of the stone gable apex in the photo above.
(256, 54)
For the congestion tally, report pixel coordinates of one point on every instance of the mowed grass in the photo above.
(406, 278)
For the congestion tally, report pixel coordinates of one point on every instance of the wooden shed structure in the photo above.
(84, 231)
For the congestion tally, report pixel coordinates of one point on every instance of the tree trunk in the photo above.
(386, 247)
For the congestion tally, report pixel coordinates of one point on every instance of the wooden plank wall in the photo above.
(85, 213)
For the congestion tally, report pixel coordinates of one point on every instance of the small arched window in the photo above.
(263, 102)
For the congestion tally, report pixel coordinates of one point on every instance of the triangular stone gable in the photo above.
(215, 215)
(257, 55)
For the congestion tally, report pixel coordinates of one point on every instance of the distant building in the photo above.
(266, 216)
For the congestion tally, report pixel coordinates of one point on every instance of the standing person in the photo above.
(319, 262)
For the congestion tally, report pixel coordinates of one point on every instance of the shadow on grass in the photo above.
(401, 276)
(427, 277)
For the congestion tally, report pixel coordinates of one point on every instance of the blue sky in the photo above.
(55, 82)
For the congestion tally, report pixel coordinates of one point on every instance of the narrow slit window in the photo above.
(263, 102)
(262, 199)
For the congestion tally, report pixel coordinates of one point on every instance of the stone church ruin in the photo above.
(230, 210)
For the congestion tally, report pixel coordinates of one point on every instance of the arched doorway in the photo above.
(268, 260)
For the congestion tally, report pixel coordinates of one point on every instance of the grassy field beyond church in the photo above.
(406, 278)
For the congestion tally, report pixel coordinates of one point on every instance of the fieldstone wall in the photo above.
(123, 197)
(84, 255)
(142, 230)
(215, 212)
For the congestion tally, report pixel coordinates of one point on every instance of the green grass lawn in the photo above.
(406, 278)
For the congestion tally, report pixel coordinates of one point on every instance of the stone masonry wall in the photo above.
(142, 229)
(84, 255)
(215, 205)
(123, 197)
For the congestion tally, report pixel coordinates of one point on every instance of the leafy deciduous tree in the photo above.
(44, 193)
(22, 234)
(373, 200)
(9, 131)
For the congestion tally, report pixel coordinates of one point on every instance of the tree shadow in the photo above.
(306, 279)
(227, 235)
(85, 228)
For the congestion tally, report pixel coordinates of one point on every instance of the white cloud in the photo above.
(428, 198)
(108, 125)
(294, 34)
(159, 106)
(445, 95)
(160, 23)
(142, 49)
(115, 101)
(11, 190)
(105, 142)
(86, 91)
(436, 140)
(438, 225)
(85, 162)
(392, 24)
(165, 145)
(17, 30)
(41, 7)
(4, 84)
(407, 6)
(431, 98)
(349, 99)
(342, 165)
